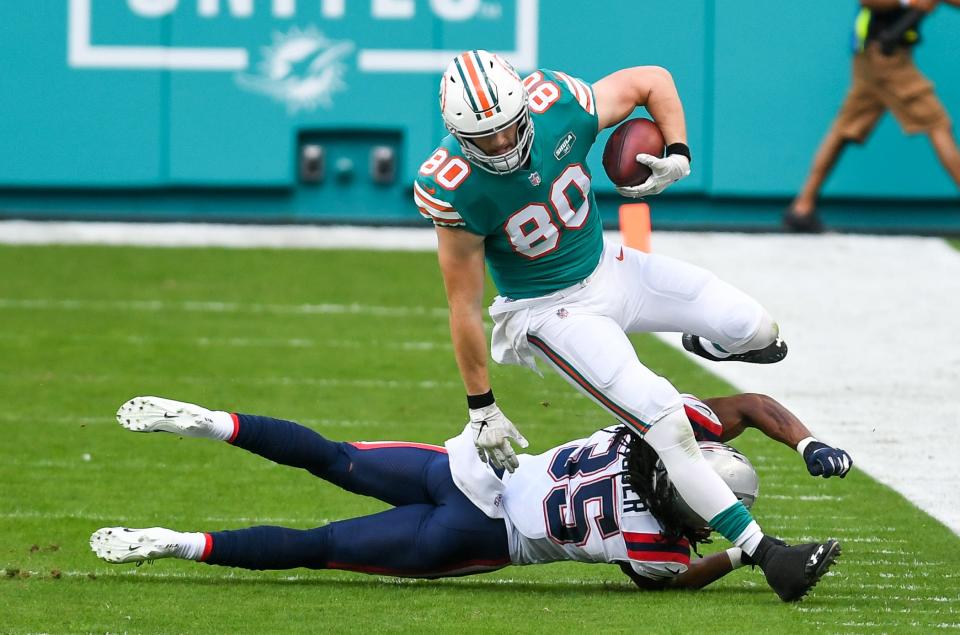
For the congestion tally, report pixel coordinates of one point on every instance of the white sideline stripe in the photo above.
(869, 369)
(206, 306)
(18, 232)
(180, 235)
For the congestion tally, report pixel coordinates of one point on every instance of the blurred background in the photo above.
(321, 111)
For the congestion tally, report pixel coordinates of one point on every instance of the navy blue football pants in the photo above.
(432, 531)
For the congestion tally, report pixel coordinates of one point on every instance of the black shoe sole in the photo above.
(814, 574)
(692, 345)
(754, 357)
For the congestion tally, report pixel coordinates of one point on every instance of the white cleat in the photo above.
(119, 544)
(156, 414)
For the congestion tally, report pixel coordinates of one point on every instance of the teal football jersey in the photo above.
(541, 225)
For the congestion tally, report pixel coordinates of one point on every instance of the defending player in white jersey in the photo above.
(603, 499)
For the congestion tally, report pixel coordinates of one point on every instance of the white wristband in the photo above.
(735, 554)
(906, 3)
(803, 444)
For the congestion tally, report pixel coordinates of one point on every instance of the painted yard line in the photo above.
(111, 419)
(939, 611)
(797, 517)
(490, 579)
(14, 418)
(832, 626)
(277, 381)
(96, 463)
(805, 497)
(320, 577)
(319, 424)
(885, 598)
(169, 518)
(897, 564)
(235, 342)
(861, 539)
(206, 306)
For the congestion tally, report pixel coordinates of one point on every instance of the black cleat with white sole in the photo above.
(771, 354)
(792, 571)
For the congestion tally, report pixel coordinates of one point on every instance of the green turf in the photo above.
(82, 329)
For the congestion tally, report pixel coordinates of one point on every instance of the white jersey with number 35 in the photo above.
(570, 503)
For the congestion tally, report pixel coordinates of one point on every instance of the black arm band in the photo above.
(679, 148)
(480, 401)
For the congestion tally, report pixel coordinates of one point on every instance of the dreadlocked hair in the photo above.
(640, 461)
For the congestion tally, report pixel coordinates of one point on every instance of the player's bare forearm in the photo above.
(699, 573)
(460, 254)
(703, 571)
(470, 348)
(764, 413)
(618, 94)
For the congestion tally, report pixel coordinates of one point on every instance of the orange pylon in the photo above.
(635, 226)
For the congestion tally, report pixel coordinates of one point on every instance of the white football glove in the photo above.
(667, 170)
(492, 432)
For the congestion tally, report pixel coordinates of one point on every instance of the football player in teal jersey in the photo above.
(510, 186)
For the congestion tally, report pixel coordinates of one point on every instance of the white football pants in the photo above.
(581, 331)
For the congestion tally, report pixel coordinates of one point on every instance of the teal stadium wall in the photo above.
(195, 108)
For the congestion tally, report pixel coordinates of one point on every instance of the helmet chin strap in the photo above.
(508, 162)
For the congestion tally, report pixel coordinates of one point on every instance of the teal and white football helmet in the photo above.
(481, 95)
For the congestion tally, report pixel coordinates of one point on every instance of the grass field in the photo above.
(354, 344)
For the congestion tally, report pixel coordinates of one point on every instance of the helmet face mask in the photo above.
(732, 466)
(481, 95)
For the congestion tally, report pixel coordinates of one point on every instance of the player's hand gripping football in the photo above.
(823, 460)
(664, 171)
(492, 432)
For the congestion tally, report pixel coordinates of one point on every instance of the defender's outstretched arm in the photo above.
(699, 573)
(766, 414)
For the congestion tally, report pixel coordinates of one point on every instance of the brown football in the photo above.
(632, 137)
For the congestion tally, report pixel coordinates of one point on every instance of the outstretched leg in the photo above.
(420, 540)
(411, 541)
(720, 322)
(389, 471)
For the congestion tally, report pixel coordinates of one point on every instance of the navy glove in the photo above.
(823, 460)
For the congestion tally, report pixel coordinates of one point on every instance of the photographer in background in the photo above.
(884, 78)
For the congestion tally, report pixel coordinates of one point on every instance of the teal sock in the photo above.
(732, 522)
